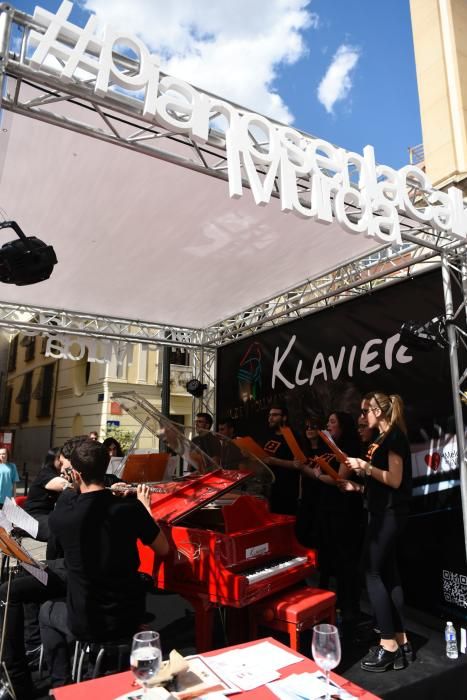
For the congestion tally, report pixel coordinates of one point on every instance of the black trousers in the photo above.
(382, 572)
(339, 554)
(58, 642)
(25, 589)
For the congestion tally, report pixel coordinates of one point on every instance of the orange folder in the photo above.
(325, 467)
(251, 446)
(293, 445)
(341, 456)
(140, 468)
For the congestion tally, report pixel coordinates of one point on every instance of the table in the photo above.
(110, 687)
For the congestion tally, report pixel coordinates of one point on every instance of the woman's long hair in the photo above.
(392, 408)
(349, 442)
(108, 442)
(51, 456)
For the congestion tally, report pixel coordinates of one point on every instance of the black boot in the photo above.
(409, 652)
(379, 659)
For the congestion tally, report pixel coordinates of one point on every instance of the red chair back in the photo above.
(21, 500)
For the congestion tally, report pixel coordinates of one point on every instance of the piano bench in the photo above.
(293, 611)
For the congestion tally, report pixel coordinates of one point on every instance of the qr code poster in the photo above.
(455, 588)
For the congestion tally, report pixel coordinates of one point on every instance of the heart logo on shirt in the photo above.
(433, 461)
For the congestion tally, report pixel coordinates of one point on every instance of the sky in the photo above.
(342, 70)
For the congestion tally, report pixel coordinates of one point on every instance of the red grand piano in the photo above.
(227, 547)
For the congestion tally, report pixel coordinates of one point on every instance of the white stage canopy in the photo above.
(140, 238)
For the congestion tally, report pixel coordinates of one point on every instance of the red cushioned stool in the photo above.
(293, 611)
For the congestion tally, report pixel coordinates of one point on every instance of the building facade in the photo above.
(440, 44)
(48, 400)
(28, 404)
(85, 389)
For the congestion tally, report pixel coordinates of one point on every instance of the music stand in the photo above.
(12, 549)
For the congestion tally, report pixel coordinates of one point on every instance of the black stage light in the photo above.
(426, 335)
(195, 388)
(27, 260)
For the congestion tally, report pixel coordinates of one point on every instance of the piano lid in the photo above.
(176, 499)
(203, 453)
(168, 432)
(234, 453)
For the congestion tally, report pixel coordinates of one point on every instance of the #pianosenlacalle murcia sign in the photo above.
(314, 179)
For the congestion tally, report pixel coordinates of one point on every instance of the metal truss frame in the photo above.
(454, 271)
(204, 363)
(35, 319)
(420, 252)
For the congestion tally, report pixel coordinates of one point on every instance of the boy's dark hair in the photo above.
(226, 421)
(70, 445)
(207, 417)
(90, 459)
(277, 406)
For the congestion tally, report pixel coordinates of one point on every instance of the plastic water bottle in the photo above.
(451, 641)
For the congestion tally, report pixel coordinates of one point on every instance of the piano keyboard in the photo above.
(256, 575)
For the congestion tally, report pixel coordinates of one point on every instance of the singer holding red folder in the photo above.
(340, 522)
(279, 446)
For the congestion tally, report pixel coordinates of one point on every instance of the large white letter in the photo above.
(367, 356)
(349, 197)
(384, 224)
(177, 104)
(319, 367)
(147, 77)
(411, 176)
(278, 363)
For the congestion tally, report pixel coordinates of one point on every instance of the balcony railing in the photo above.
(417, 155)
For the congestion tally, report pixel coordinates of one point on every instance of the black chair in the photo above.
(95, 658)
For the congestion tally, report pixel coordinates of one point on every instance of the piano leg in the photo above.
(236, 623)
(204, 622)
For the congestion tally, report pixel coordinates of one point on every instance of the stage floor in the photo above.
(431, 677)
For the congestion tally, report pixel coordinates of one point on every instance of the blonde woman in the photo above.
(387, 490)
(8, 476)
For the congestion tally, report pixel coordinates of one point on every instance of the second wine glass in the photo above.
(326, 649)
(146, 655)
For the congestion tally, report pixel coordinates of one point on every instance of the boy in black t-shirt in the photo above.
(98, 532)
(284, 491)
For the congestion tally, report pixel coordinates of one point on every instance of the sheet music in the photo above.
(20, 518)
(14, 550)
(115, 466)
(307, 685)
(37, 572)
(252, 666)
(4, 522)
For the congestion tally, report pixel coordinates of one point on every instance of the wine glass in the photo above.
(146, 655)
(326, 649)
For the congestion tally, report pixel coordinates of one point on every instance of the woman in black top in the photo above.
(44, 491)
(387, 471)
(339, 523)
(310, 488)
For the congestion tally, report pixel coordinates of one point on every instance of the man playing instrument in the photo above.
(98, 533)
